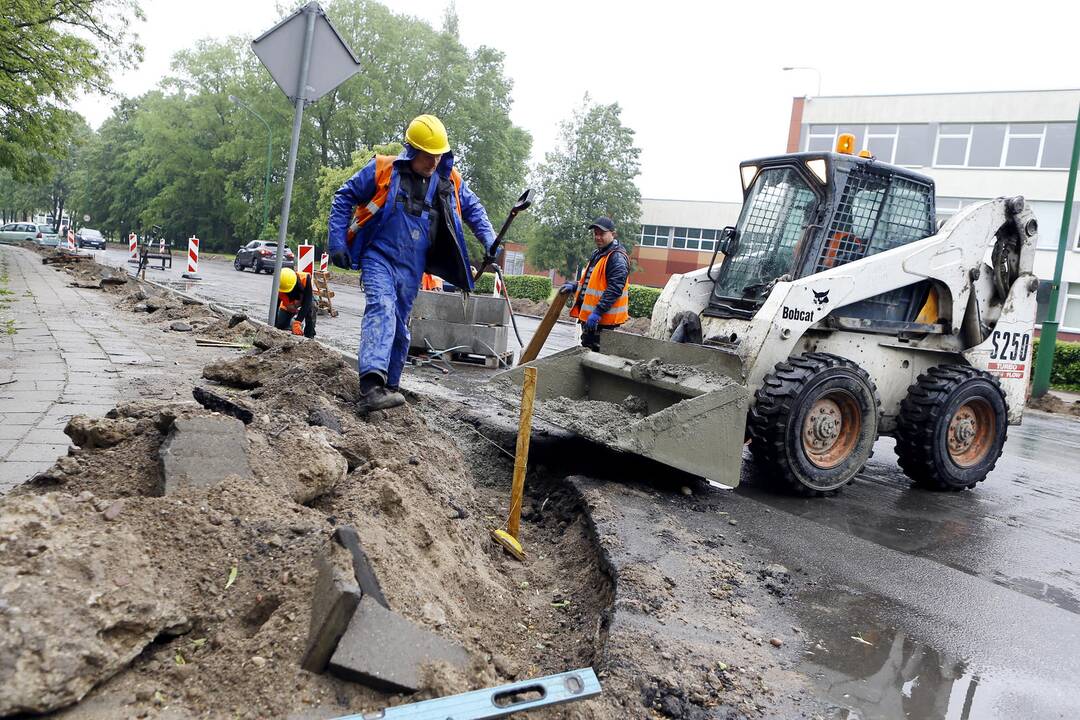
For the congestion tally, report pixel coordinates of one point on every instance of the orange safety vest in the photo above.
(431, 282)
(618, 313)
(384, 171)
(288, 304)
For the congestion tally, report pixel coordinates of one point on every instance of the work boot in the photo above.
(379, 398)
(374, 395)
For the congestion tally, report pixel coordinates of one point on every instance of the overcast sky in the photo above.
(700, 83)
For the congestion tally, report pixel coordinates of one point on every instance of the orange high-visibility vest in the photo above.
(384, 171)
(431, 282)
(288, 304)
(618, 313)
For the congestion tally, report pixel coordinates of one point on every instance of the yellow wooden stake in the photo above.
(511, 537)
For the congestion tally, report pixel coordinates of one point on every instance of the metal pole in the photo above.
(310, 11)
(1044, 363)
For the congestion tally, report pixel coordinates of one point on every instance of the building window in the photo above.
(986, 143)
(1057, 145)
(881, 141)
(821, 138)
(708, 239)
(1070, 319)
(655, 235)
(679, 239)
(514, 262)
(1023, 145)
(952, 145)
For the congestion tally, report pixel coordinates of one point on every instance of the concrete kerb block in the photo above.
(344, 577)
(385, 651)
(481, 309)
(333, 603)
(347, 537)
(202, 451)
(487, 340)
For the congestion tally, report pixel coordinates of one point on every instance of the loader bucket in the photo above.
(681, 405)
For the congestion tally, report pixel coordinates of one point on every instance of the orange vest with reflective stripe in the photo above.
(618, 313)
(287, 303)
(431, 282)
(384, 173)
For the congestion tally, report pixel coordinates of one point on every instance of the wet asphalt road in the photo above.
(940, 605)
(917, 604)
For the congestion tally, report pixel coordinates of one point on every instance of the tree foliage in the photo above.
(51, 50)
(183, 156)
(590, 173)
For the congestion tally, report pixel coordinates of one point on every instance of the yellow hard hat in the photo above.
(288, 280)
(427, 133)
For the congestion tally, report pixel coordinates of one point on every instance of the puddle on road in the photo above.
(864, 670)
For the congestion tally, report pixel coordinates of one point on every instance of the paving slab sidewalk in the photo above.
(68, 352)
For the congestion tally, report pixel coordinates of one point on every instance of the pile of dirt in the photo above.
(1053, 404)
(197, 603)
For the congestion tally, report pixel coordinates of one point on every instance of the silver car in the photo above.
(46, 236)
(14, 232)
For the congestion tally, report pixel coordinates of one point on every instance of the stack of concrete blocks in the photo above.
(444, 321)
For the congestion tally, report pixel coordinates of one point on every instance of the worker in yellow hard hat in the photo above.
(396, 219)
(296, 303)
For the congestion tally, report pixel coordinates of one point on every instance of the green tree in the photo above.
(590, 173)
(51, 50)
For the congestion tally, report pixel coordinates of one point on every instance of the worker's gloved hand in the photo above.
(593, 322)
(297, 328)
(341, 259)
(568, 288)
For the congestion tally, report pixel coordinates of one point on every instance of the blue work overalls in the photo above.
(392, 263)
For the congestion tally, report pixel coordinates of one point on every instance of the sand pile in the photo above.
(197, 603)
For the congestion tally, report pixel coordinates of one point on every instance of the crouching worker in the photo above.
(296, 303)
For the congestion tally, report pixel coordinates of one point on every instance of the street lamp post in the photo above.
(269, 156)
(804, 67)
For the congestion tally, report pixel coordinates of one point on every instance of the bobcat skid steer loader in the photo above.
(836, 315)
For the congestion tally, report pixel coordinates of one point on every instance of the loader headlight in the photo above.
(818, 168)
(749, 172)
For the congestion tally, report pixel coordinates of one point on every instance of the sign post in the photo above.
(307, 59)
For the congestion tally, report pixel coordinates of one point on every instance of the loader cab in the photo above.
(806, 213)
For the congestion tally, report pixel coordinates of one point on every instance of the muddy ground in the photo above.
(197, 604)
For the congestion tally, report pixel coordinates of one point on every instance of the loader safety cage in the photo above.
(805, 213)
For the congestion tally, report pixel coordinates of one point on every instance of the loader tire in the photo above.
(813, 423)
(952, 427)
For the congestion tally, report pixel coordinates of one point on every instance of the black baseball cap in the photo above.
(604, 223)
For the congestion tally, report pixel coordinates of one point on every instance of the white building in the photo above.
(975, 146)
(678, 236)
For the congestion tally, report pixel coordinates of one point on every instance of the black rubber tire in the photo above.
(925, 415)
(778, 417)
(237, 265)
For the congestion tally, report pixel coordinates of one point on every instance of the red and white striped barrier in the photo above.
(305, 259)
(324, 263)
(192, 259)
(497, 286)
(133, 247)
(71, 240)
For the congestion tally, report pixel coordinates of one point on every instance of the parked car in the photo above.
(47, 236)
(88, 237)
(14, 232)
(260, 255)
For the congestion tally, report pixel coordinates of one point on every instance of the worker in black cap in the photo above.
(601, 300)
